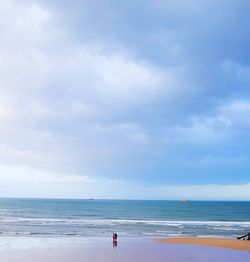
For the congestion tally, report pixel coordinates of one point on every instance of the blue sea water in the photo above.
(97, 218)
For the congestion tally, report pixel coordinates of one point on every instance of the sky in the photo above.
(146, 99)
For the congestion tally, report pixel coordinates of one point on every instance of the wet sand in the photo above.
(213, 242)
(127, 250)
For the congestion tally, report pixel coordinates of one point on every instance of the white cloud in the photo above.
(21, 181)
(199, 131)
(236, 114)
(116, 78)
(227, 119)
(59, 102)
(68, 105)
(25, 175)
(25, 26)
(122, 134)
(81, 109)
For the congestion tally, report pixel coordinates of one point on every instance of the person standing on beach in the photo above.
(115, 238)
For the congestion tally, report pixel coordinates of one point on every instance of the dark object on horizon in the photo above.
(247, 235)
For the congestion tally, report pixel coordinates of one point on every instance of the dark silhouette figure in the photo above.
(247, 235)
(115, 239)
(114, 244)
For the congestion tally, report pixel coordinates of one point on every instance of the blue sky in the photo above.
(150, 98)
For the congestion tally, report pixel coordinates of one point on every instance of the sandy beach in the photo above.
(95, 250)
(213, 242)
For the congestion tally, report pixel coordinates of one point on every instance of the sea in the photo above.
(129, 218)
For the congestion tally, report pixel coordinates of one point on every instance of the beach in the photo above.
(81, 230)
(95, 250)
(234, 244)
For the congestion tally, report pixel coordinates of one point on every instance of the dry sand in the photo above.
(214, 242)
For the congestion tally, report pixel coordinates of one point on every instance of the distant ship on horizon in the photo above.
(184, 200)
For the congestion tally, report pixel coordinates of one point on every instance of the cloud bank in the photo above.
(147, 93)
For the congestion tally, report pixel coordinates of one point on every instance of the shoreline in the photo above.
(234, 244)
(38, 242)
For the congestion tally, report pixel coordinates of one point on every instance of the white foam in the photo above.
(100, 222)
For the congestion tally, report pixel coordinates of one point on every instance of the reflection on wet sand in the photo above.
(129, 250)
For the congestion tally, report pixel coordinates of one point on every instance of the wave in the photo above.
(114, 222)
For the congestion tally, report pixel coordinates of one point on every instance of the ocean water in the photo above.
(130, 218)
